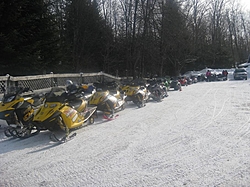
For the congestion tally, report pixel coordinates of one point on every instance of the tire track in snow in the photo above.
(193, 107)
(216, 110)
(153, 149)
(241, 104)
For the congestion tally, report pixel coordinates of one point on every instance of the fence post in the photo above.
(82, 78)
(51, 79)
(7, 83)
(8, 80)
(116, 73)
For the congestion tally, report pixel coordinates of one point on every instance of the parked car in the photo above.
(240, 74)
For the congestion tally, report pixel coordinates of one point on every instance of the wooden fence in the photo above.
(40, 82)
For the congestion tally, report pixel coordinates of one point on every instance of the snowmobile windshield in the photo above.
(8, 98)
(11, 94)
(100, 87)
(56, 95)
(13, 90)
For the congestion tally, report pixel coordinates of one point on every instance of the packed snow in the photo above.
(199, 136)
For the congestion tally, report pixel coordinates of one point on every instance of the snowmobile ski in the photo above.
(110, 118)
(21, 133)
(64, 139)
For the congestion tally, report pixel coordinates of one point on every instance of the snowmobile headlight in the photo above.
(53, 105)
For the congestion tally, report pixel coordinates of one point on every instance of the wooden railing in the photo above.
(39, 82)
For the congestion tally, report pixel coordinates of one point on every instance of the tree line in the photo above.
(121, 37)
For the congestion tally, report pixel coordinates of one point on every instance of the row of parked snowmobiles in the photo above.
(64, 109)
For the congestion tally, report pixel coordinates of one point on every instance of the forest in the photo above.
(121, 37)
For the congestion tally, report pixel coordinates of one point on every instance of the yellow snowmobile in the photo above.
(136, 92)
(108, 98)
(17, 109)
(63, 112)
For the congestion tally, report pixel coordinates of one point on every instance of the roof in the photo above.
(244, 65)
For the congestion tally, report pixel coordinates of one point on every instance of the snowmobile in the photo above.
(108, 98)
(17, 109)
(166, 83)
(157, 90)
(136, 92)
(183, 81)
(63, 112)
(175, 83)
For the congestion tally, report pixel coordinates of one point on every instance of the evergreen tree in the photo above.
(174, 38)
(86, 36)
(28, 37)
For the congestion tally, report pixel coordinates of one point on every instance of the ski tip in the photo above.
(110, 118)
(64, 139)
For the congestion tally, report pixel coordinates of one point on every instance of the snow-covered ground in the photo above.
(196, 137)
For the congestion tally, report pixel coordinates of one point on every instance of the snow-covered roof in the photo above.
(244, 65)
